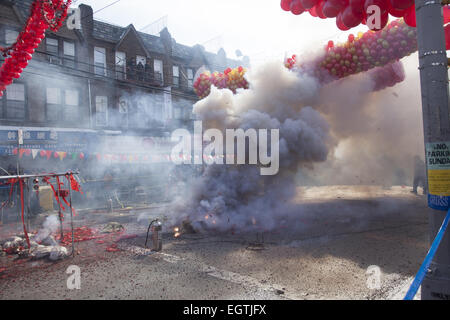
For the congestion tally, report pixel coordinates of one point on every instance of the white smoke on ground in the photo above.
(50, 226)
(341, 133)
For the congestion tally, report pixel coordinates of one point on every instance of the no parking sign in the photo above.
(438, 164)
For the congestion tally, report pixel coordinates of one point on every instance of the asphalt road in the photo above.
(332, 251)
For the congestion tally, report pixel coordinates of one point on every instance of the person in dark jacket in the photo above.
(420, 177)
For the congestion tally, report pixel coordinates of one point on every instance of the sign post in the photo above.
(436, 125)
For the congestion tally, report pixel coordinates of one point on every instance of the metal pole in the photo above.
(436, 122)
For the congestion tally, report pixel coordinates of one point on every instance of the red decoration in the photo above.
(410, 16)
(45, 14)
(367, 51)
(232, 79)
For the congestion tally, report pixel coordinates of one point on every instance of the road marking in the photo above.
(233, 277)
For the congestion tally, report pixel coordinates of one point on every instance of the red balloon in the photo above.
(447, 37)
(329, 10)
(410, 16)
(401, 4)
(395, 12)
(286, 5)
(312, 11)
(446, 14)
(319, 11)
(338, 4)
(340, 24)
(357, 7)
(296, 7)
(349, 19)
(308, 4)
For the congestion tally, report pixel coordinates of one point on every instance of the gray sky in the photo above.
(259, 28)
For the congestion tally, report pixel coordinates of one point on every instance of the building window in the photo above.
(101, 111)
(123, 112)
(140, 67)
(63, 105)
(53, 104)
(100, 61)
(71, 105)
(190, 78)
(10, 36)
(52, 48)
(121, 60)
(15, 101)
(176, 76)
(69, 54)
(158, 69)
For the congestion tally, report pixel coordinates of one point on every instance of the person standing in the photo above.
(420, 177)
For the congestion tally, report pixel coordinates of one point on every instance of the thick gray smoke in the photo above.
(341, 133)
(238, 197)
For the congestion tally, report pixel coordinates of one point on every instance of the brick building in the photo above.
(99, 82)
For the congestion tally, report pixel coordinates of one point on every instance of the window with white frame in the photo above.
(53, 104)
(190, 78)
(100, 61)
(71, 105)
(69, 54)
(10, 36)
(15, 101)
(176, 76)
(121, 63)
(158, 68)
(101, 111)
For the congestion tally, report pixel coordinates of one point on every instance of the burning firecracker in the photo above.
(232, 79)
